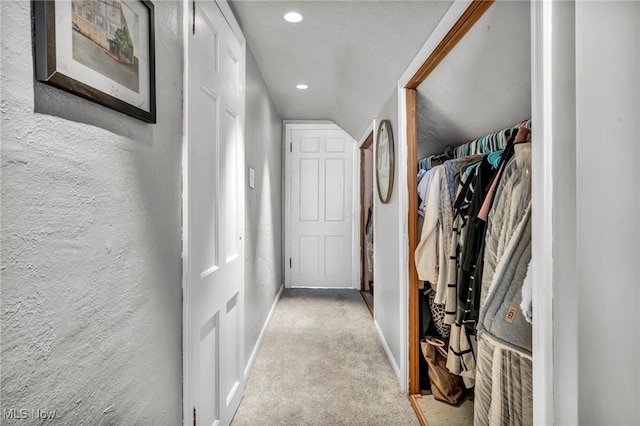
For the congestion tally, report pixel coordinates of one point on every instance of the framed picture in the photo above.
(385, 161)
(102, 50)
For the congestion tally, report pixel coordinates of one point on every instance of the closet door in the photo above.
(321, 207)
(214, 218)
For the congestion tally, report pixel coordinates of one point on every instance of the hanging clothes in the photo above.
(426, 254)
(461, 215)
(527, 296)
(462, 345)
(504, 385)
(466, 208)
(473, 257)
(369, 238)
(504, 368)
(449, 183)
(459, 351)
(432, 251)
(474, 251)
(423, 186)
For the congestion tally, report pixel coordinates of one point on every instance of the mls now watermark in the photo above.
(23, 413)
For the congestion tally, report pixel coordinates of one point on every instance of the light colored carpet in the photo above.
(438, 413)
(321, 363)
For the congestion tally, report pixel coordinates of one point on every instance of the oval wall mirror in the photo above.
(384, 161)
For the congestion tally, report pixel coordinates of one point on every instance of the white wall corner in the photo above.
(258, 345)
(387, 350)
(403, 206)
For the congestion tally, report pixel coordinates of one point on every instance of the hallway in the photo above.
(143, 252)
(321, 363)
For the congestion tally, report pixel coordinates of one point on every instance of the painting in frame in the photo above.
(102, 50)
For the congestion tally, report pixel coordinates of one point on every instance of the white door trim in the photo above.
(231, 20)
(554, 262)
(403, 206)
(186, 305)
(186, 311)
(290, 125)
(542, 223)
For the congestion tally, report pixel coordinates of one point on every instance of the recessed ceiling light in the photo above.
(302, 86)
(293, 17)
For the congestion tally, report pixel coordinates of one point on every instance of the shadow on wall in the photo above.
(55, 102)
(90, 243)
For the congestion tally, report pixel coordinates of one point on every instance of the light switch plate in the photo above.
(252, 178)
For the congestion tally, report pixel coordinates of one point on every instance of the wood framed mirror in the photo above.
(385, 161)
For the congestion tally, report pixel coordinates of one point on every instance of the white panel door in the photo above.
(214, 219)
(320, 185)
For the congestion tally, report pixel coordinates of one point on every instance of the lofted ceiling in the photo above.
(350, 53)
(483, 85)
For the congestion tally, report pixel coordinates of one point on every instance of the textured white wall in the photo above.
(608, 124)
(483, 85)
(90, 260)
(386, 288)
(263, 229)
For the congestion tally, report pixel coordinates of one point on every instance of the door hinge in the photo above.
(291, 147)
(193, 20)
(194, 415)
(289, 263)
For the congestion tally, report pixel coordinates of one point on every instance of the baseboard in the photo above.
(419, 414)
(258, 345)
(323, 288)
(392, 361)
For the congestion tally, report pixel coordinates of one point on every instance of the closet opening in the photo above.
(471, 97)
(366, 221)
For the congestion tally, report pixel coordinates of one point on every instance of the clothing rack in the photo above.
(426, 162)
(490, 143)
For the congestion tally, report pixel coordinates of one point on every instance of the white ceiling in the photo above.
(350, 53)
(484, 83)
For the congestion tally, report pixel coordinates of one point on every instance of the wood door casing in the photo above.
(366, 147)
(468, 19)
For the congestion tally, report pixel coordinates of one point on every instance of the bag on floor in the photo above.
(445, 386)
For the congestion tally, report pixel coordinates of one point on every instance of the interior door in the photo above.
(214, 218)
(320, 182)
